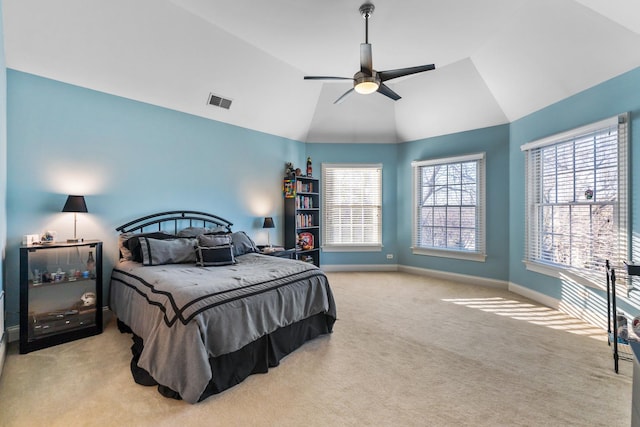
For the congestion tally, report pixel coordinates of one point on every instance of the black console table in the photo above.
(620, 350)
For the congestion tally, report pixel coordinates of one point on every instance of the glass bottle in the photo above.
(309, 169)
(91, 264)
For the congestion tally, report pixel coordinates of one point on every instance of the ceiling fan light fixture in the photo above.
(365, 88)
(366, 85)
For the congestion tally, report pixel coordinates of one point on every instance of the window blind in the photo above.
(352, 205)
(577, 198)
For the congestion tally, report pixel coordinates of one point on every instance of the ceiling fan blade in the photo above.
(344, 95)
(366, 60)
(327, 78)
(400, 72)
(386, 91)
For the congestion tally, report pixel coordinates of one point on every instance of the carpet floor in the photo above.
(406, 350)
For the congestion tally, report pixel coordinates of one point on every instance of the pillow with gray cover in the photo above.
(130, 245)
(242, 243)
(196, 231)
(214, 250)
(173, 251)
(211, 240)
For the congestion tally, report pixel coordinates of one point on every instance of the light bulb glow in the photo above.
(366, 87)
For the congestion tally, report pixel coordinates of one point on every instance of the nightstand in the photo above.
(280, 253)
(60, 293)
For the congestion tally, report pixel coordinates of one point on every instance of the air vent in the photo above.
(219, 101)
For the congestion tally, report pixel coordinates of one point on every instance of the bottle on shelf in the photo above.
(91, 264)
(309, 168)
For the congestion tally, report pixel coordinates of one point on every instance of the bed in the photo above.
(196, 330)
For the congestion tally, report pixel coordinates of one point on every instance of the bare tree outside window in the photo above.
(576, 193)
(449, 205)
(448, 208)
(577, 202)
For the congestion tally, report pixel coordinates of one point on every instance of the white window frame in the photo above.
(591, 275)
(479, 254)
(329, 246)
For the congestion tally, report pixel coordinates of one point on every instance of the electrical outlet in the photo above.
(389, 256)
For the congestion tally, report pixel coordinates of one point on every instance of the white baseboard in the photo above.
(463, 278)
(358, 267)
(457, 277)
(3, 350)
(13, 333)
(582, 312)
(534, 295)
(586, 312)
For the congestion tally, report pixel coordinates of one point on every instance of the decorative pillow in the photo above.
(125, 253)
(210, 240)
(196, 231)
(207, 256)
(133, 242)
(242, 244)
(173, 251)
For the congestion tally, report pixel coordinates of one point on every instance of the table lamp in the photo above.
(268, 223)
(75, 204)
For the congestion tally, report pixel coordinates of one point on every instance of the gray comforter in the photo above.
(187, 314)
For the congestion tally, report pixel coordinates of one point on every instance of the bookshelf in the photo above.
(302, 217)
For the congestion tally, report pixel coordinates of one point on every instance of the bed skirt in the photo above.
(254, 358)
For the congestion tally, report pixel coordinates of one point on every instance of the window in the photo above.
(352, 207)
(449, 206)
(576, 196)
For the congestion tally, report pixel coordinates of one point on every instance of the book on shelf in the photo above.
(304, 202)
(304, 220)
(304, 187)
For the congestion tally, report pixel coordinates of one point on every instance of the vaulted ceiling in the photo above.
(496, 60)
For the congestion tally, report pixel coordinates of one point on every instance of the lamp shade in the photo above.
(75, 204)
(268, 223)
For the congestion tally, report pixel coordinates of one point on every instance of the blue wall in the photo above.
(129, 159)
(493, 141)
(608, 99)
(386, 154)
(3, 175)
(397, 203)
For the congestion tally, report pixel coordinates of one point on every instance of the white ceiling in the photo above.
(496, 60)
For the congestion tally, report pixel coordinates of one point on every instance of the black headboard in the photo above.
(179, 220)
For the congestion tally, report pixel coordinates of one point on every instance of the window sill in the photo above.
(468, 256)
(351, 248)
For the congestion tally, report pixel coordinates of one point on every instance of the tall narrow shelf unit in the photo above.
(302, 217)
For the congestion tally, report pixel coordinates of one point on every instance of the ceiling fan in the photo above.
(368, 80)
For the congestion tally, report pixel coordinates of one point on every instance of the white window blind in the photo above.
(352, 206)
(576, 198)
(449, 206)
